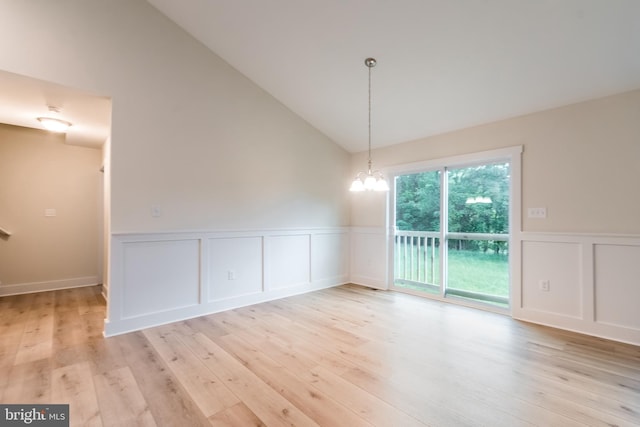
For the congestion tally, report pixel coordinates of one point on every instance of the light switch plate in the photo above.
(538, 213)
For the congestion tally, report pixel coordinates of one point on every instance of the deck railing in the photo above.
(416, 257)
(417, 264)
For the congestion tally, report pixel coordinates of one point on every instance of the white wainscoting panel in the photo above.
(235, 267)
(158, 278)
(594, 284)
(330, 257)
(617, 285)
(369, 259)
(288, 262)
(559, 264)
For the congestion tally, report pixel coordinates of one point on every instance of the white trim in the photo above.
(221, 233)
(629, 239)
(454, 161)
(51, 285)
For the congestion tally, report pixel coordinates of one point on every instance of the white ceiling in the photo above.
(442, 64)
(24, 99)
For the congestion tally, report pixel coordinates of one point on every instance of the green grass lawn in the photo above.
(486, 273)
(475, 271)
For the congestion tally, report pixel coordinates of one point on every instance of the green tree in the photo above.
(418, 203)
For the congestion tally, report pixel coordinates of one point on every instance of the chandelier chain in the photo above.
(371, 180)
(369, 66)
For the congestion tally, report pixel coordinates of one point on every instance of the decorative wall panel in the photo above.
(559, 265)
(160, 276)
(617, 285)
(288, 261)
(235, 267)
(165, 277)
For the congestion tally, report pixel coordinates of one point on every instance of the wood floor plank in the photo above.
(103, 355)
(407, 399)
(69, 330)
(121, 402)
(168, 402)
(68, 299)
(257, 331)
(265, 402)
(369, 407)
(73, 384)
(318, 405)
(301, 342)
(236, 416)
(206, 389)
(37, 339)
(27, 382)
(323, 338)
(210, 326)
(10, 342)
(90, 300)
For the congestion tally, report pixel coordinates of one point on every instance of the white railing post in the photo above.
(415, 256)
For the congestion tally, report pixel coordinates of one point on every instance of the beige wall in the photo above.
(581, 162)
(189, 133)
(37, 172)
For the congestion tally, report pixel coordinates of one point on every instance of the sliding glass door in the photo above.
(477, 236)
(451, 234)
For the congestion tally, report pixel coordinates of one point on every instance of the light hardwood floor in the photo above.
(346, 356)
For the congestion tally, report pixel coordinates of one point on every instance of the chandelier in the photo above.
(370, 180)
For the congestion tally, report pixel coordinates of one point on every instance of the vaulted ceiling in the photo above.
(442, 64)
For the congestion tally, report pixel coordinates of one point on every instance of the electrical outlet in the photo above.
(156, 211)
(231, 275)
(545, 285)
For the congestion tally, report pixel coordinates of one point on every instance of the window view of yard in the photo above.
(478, 200)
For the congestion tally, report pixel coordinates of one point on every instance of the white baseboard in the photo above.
(369, 282)
(161, 318)
(28, 288)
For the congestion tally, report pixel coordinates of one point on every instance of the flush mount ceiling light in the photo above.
(54, 124)
(370, 180)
